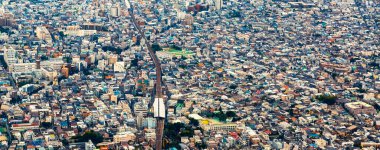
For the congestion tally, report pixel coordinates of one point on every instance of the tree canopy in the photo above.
(156, 47)
(174, 131)
(194, 122)
(175, 47)
(95, 137)
(328, 99)
(112, 49)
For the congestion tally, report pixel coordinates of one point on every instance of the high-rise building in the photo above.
(149, 122)
(218, 4)
(139, 120)
(115, 11)
(127, 4)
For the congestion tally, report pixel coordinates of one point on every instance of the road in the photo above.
(158, 84)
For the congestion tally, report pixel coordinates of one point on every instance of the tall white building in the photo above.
(218, 4)
(127, 4)
(115, 11)
(139, 120)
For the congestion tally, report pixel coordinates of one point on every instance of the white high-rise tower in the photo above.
(218, 4)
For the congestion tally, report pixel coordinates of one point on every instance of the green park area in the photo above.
(173, 50)
(180, 52)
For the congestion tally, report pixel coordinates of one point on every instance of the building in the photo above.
(189, 19)
(218, 4)
(55, 64)
(115, 11)
(139, 120)
(220, 127)
(76, 31)
(49, 73)
(25, 126)
(13, 66)
(10, 55)
(43, 34)
(22, 67)
(141, 108)
(370, 144)
(28, 88)
(119, 67)
(65, 71)
(356, 108)
(159, 108)
(213, 125)
(112, 59)
(89, 145)
(124, 137)
(149, 123)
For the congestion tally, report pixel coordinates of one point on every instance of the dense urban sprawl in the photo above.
(236, 74)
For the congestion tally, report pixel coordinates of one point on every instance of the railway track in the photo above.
(158, 85)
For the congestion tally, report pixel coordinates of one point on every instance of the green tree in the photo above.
(201, 145)
(182, 66)
(328, 99)
(46, 125)
(61, 34)
(16, 100)
(183, 57)
(249, 77)
(171, 132)
(194, 122)
(220, 110)
(175, 47)
(233, 86)
(4, 115)
(222, 117)
(95, 137)
(236, 119)
(65, 142)
(44, 57)
(116, 50)
(156, 47)
(68, 59)
(230, 114)
(188, 131)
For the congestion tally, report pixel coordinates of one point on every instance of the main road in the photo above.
(158, 85)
